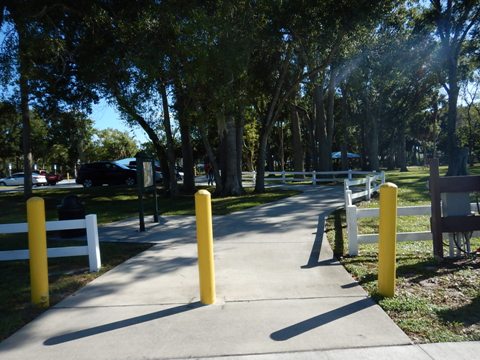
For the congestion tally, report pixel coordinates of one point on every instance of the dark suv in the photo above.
(105, 172)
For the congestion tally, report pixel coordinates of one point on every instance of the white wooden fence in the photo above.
(92, 249)
(369, 184)
(314, 176)
(353, 214)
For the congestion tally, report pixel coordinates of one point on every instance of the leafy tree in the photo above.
(457, 22)
(112, 144)
(10, 134)
(39, 64)
(39, 140)
(469, 116)
(72, 135)
(129, 41)
(390, 84)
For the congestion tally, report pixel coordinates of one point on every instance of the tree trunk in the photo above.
(455, 21)
(471, 138)
(232, 186)
(27, 153)
(374, 163)
(324, 122)
(297, 146)
(267, 124)
(282, 148)
(452, 139)
(402, 151)
(170, 144)
(390, 156)
(326, 157)
(181, 106)
(24, 94)
(239, 126)
(319, 127)
(312, 148)
(152, 135)
(343, 126)
(371, 134)
(262, 154)
(213, 160)
(187, 154)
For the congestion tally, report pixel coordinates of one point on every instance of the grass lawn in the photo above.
(434, 302)
(112, 203)
(66, 275)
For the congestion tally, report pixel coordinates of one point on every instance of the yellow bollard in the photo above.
(37, 244)
(206, 268)
(387, 240)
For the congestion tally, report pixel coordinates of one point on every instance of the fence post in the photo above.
(283, 177)
(435, 225)
(347, 193)
(349, 174)
(206, 268)
(314, 177)
(37, 244)
(348, 197)
(352, 229)
(254, 177)
(387, 236)
(93, 244)
(368, 189)
(338, 244)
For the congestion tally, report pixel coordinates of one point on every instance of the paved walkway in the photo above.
(280, 295)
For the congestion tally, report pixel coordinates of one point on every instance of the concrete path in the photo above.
(280, 295)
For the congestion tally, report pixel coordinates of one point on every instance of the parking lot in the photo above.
(60, 185)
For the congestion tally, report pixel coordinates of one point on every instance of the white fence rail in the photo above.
(311, 176)
(353, 214)
(92, 249)
(370, 183)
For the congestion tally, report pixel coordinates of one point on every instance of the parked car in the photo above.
(105, 172)
(52, 179)
(18, 179)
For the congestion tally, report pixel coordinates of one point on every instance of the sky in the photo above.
(106, 116)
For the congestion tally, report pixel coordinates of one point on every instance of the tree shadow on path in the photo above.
(56, 340)
(320, 320)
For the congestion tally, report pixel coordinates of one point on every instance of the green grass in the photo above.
(434, 302)
(112, 203)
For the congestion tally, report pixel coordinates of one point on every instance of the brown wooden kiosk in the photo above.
(449, 224)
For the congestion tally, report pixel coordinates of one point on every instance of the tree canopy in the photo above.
(246, 85)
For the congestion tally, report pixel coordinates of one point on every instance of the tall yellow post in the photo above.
(206, 268)
(387, 240)
(37, 244)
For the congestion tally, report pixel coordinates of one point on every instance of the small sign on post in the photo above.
(145, 180)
